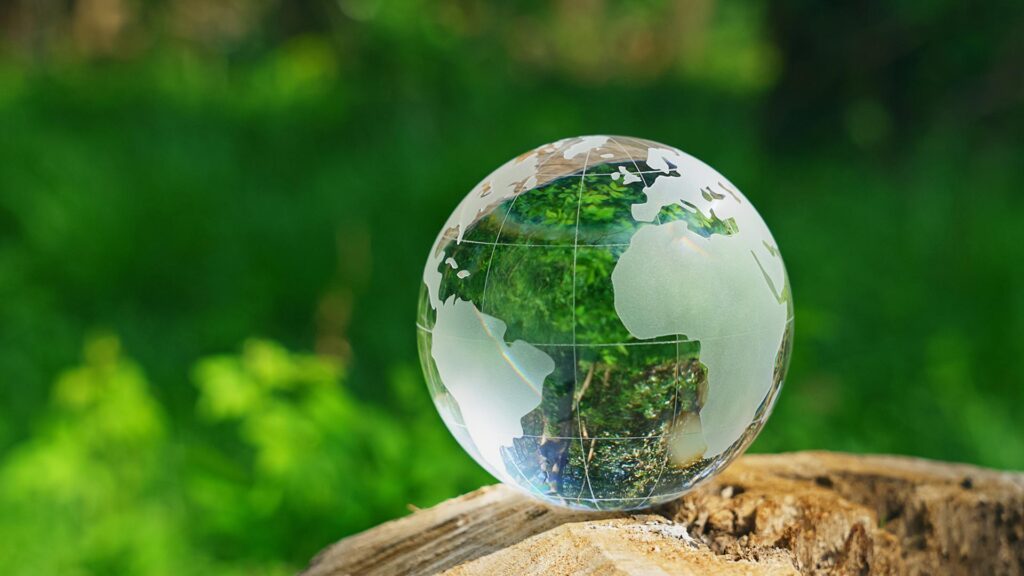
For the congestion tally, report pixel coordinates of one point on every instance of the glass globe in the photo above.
(604, 322)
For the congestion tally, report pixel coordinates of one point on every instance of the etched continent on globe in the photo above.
(604, 322)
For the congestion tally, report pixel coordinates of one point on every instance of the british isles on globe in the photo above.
(605, 322)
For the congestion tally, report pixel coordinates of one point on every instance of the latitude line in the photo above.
(568, 344)
(612, 162)
(756, 421)
(599, 344)
(481, 242)
(619, 174)
(596, 500)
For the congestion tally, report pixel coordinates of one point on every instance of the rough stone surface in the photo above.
(798, 513)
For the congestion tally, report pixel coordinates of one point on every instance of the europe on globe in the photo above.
(604, 322)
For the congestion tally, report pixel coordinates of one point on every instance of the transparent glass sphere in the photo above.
(604, 322)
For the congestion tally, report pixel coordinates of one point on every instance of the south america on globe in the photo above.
(604, 322)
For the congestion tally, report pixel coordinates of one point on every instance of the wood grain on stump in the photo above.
(798, 513)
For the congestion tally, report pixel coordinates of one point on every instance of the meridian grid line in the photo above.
(497, 239)
(676, 372)
(575, 365)
(483, 295)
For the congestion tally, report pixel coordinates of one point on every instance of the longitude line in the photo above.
(575, 366)
(494, 247)
(676, 372)
(487, 276)
(626, 152)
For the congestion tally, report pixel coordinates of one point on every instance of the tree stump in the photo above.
(797, 513)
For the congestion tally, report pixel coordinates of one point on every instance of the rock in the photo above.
(798, 513)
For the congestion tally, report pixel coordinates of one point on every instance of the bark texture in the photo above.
(798, 513)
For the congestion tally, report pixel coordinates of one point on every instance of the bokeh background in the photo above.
(214, 216)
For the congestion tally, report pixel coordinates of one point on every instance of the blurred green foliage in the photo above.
(278, 449)
(180, 180)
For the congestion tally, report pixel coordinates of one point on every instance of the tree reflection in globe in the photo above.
(604, 322)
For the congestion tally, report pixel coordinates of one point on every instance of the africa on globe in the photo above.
(604, 322)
